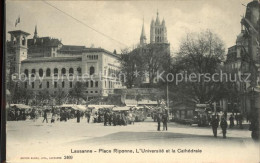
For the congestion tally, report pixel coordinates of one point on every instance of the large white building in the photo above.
(94, 67)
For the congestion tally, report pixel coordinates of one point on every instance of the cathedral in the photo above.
(158, 32)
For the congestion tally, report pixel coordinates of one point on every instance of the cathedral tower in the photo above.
(143, 36)
(158, 31)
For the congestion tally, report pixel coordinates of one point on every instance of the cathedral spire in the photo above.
(157, 21)
(35, 32)
(143, 36)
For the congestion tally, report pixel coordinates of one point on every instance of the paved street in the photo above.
(40, 138)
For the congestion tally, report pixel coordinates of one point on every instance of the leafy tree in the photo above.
(21, 95)
(59, 96)
(77, 91)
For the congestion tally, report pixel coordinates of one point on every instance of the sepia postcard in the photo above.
(131, 81)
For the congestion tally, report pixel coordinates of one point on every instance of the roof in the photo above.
(19, 32)
(43, 41)
(124, 108)
(52, 59)
(93, 50)
(21, 106)
(71, 48)
(100, 106)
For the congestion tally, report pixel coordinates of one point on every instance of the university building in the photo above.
(44, 63)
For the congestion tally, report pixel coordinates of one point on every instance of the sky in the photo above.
(117, 24)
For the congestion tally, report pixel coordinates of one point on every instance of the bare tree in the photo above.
(200, 53)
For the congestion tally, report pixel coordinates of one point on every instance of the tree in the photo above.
(144, 62)
(77, 91)
(43, 97)
(156, 58)
(59, 96)
(21, 95)
(200, 53)
(130, 63)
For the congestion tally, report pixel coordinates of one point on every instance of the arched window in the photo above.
(56, 71)
(87, 84)
(91, 70)
(91, 83)
(26, 72)
(71, 71)
(63, 71)
(96, 84)
(79, 70)
(33, 72)
(23, 41)
(40, 72)
(48, 72)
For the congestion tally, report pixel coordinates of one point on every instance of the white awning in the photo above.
(100, 106)
(21, 106)
(81, 107)
(124, 108)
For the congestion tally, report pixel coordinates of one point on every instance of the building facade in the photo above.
(242, 59)
(43, 63)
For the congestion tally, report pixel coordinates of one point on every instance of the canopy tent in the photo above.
(73, 106)
(137, 107)
(20, 106)
(81, 107)
(100, 106)
(124, 108)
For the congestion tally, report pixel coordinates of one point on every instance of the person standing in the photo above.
(231, 120)
(88, 116)
(159, 122)
(110, 118)
(164, 120)
(214, 125)
(105, 118)
(45, 116)
(114, 119)
(78, 116)
(223, 125)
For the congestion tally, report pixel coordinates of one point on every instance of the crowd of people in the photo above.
(121, 118)
(109, 117)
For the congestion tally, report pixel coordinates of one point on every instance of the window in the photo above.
(71, 71)
(25, 85)
(63, 84)
(91, 70)
(86, 91)
(47, 84)
(96, 84)
(91, 83)
(23, 41)
(40, 72)
(26, 72)
(79, 70)
(33, 73)
(32, 85)
(63, 71)
(48, 72)
(87, 84)
(96, 91)
(55, 84)
(105, 84)
(56, 71)
(70, 84)
(91, 91)
(40, 85)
